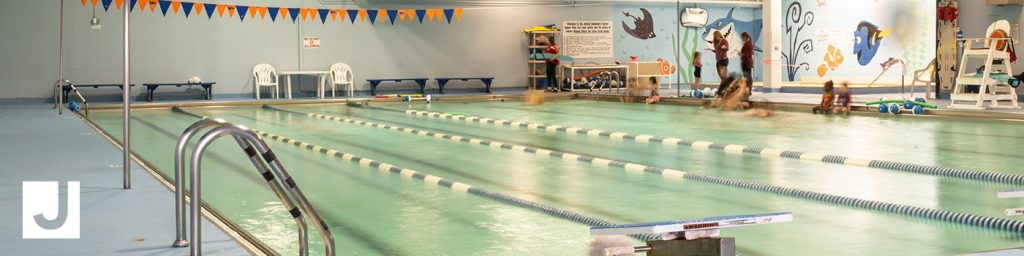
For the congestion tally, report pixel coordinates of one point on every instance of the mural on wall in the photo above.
(795, 16)
(866, 41)
(643, 27)
(833, 58)
(731, 28)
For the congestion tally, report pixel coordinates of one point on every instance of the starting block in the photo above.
(687, 237)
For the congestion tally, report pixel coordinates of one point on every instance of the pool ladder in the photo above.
(265, 162)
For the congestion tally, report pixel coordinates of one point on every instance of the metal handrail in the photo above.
(247, 139)
(59, 96)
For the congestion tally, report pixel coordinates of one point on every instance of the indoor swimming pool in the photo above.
(535, 157)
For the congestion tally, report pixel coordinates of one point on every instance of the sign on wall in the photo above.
(587, 39)
(311, 42)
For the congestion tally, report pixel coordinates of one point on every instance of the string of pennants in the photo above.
(187, 8)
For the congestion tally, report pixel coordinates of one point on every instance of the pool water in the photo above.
(378, 213)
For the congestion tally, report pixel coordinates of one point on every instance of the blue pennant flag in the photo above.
(273, 12)
(131, 5)
(420, 14)
(392, 14)
(106, 4)
(352, 15)
(323, 15)
(241, 11)
(187, 7)
(372, 14)
(294, 12)
(163, 6)
(448, 13)
(210, 8)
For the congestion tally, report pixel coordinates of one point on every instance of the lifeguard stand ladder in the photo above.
(991, 86)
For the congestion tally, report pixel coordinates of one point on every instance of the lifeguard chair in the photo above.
(993, 84)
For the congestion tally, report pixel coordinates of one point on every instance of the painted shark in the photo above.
(731, 29)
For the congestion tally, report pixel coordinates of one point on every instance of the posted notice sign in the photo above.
(311, 42)
(587, 39)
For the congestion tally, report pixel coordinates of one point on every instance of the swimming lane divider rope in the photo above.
(431, 179)
(935, 214)
(736, 149)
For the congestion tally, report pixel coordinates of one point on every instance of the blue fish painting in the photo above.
(731, 29)
(866, 40)
(643, 28)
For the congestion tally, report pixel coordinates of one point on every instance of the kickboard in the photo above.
(691, 224)
(545, 56)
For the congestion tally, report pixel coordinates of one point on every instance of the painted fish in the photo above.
(643, 28)
(731, 29)
(866, 40)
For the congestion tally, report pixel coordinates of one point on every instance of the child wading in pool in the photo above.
(827, 98)
(843, 99)
(654, 92)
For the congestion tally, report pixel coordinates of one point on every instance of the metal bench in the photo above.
(150, 88)
(441, 82)
(422, 82)
(67, 89)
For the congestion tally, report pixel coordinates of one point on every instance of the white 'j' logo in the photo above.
(46, 213)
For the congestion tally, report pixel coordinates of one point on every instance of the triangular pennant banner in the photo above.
(118, 3)
(323, 15)
(94, 3)
(209, 10)
(187, 7)
(352, 15)
(373, 15)
(303, 13)
(273, 12)
(131, 5)
(283, 12)
(83, 2)
(341, 15)
(401, 15)
(420, 14)
(231, 10)
(294, 12)
(220, 9)
(175, 6)
(431, 14)
(362, 15)
(458, 14)
(448, 13)
(258, 9)
(152, 5)
(198, 7)
(392, 14)
(334, 15)
(163, 6)
(242, 10)
(106, 4)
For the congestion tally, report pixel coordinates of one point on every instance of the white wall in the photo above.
(487, 42)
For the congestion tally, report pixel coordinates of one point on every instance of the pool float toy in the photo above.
(540, 28)
(914, 102)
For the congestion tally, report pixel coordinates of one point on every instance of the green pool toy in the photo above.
(922, 104)
(545, 56)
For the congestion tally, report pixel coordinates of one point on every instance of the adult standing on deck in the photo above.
(552, 63)
(747, 58)
(721, 55)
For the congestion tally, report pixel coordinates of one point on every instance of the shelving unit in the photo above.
(534, 65)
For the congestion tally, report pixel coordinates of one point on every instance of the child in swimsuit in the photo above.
(843, 98)
(827, 99)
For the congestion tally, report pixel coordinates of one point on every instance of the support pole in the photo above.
(59, 91)
(771, 42)
(126, 91)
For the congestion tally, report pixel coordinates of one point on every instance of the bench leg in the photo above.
(440, 86)
(487, 85)
(423, 87)
(373, 88)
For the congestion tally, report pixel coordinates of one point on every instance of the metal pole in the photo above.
(60, 83)
(126, 91)
(679, 70)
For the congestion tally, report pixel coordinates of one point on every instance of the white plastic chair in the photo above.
(264, 75)
(341, 74)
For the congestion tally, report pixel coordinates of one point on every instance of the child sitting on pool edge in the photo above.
(843, 98)
(827, 98)
(654, 98)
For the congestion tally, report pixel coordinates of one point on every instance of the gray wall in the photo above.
(173, 48)
(975, 16)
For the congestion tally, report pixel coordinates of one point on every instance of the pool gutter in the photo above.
(243, 238)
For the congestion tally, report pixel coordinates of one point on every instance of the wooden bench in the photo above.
(422, 82)
(151, 87)
(441, 82)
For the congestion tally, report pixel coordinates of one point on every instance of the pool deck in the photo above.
(39, 145)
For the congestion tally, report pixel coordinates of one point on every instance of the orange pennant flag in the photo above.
(334, 15)
(198, 7)
(458, 14)
(282, 12)
(175, 5)
(362, 15)
(312, 13)
(220, 9)
(119, 2)
(430, 15)
(152, 5)
(83, 2)
(341, 14)
(231, 11)
(253, 10)
(382, 15)
(302, 13)
(263, 12)
(94, 3)
(401, 15)
(142, 4)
